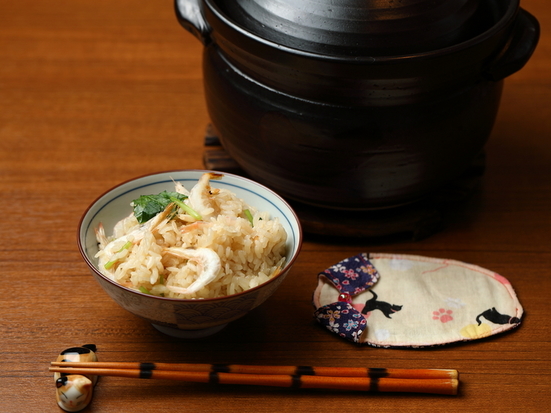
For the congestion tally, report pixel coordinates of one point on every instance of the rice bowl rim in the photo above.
(290, 216)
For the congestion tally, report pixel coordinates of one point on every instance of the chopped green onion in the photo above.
(144, 290)
(125, 246)
(110, 264)
(187, 209)
(249, 216)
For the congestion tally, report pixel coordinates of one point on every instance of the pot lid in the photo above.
(358, 27)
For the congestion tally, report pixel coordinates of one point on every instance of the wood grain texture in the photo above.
(93, 93)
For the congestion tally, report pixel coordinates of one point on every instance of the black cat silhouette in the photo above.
(497, 318)
(386, 308)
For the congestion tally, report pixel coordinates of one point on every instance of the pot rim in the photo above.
(512, 9)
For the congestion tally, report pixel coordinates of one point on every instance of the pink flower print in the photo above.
(443, 315)
(358, 290)
(350, 274)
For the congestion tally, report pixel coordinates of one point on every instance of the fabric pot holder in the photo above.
(388, 300)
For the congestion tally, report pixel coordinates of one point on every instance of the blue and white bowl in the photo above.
(187, 318)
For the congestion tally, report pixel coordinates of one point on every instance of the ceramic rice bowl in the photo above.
(187, 318)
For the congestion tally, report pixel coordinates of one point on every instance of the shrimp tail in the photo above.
(100, 236)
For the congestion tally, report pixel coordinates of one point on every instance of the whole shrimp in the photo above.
(200, 193)
(209, 264)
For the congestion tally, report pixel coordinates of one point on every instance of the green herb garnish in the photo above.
(147, 206)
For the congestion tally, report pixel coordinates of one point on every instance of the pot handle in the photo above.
(518, 49)
(190, 16)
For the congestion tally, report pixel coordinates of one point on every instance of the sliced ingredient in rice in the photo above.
(202, 243)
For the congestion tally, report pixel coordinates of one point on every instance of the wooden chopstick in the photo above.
(445, 386)
(283, 370)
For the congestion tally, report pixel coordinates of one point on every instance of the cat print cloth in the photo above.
(387, 300)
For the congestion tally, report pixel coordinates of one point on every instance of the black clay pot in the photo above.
(352, 127)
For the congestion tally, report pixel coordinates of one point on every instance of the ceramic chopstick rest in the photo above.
(388, 300)
(74, 391)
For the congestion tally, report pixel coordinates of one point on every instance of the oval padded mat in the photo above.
(392, 300)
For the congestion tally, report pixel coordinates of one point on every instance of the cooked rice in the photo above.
(249, 254)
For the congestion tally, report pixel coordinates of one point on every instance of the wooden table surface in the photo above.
(94, 93)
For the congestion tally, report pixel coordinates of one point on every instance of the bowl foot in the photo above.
(189, 334)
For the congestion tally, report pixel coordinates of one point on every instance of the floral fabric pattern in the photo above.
(342, 319)
(352, 275)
